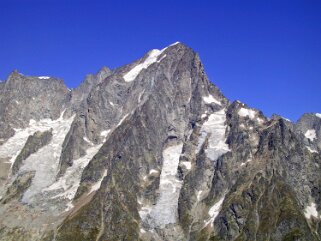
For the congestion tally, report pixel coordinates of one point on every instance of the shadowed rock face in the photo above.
(152, 151)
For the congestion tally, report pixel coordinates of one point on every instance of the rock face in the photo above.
(152, 151)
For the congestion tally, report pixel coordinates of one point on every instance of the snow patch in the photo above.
(165, 210)
(163, 57)
(318, 115)
(43, 77)
(153, 171)
(311, 150)
(45, 162)
(151, 58)
(188, 165)
(285, 119)
(210, 99)
(246, 112)
(12, 147)
(243, 163)
(310, 134)
(111, 103)
(121, 121)
(97, 185)
(175, 43)
(68, 184)
(87, 140)
(140, 96)
(259, 120)
(214, 211)
(311, 211)
(104, 133)
(144, 212)
(199, 195)
(215, 128)
(70, 181)
(204, 115)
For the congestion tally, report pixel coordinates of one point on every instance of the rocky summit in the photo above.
(152, 151)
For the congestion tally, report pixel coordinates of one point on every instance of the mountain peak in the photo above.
(14, 73)
(103, 73)
(152, 149)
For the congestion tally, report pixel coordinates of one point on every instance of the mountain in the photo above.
(152, 151)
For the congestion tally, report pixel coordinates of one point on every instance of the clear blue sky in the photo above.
(264, 53)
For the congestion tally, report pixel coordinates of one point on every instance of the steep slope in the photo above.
(152, 151)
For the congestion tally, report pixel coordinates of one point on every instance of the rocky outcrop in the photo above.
(25, 98)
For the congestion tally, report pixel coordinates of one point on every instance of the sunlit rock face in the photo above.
(152, 151)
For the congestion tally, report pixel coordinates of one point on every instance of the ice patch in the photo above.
(70, 181)
(151, 58)
(214, 127)
(45, 162)
(210, 99)
(43, 77)
(12, 147)
(165, 210)
(311, 211)
(214, 211)
(310, 134)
